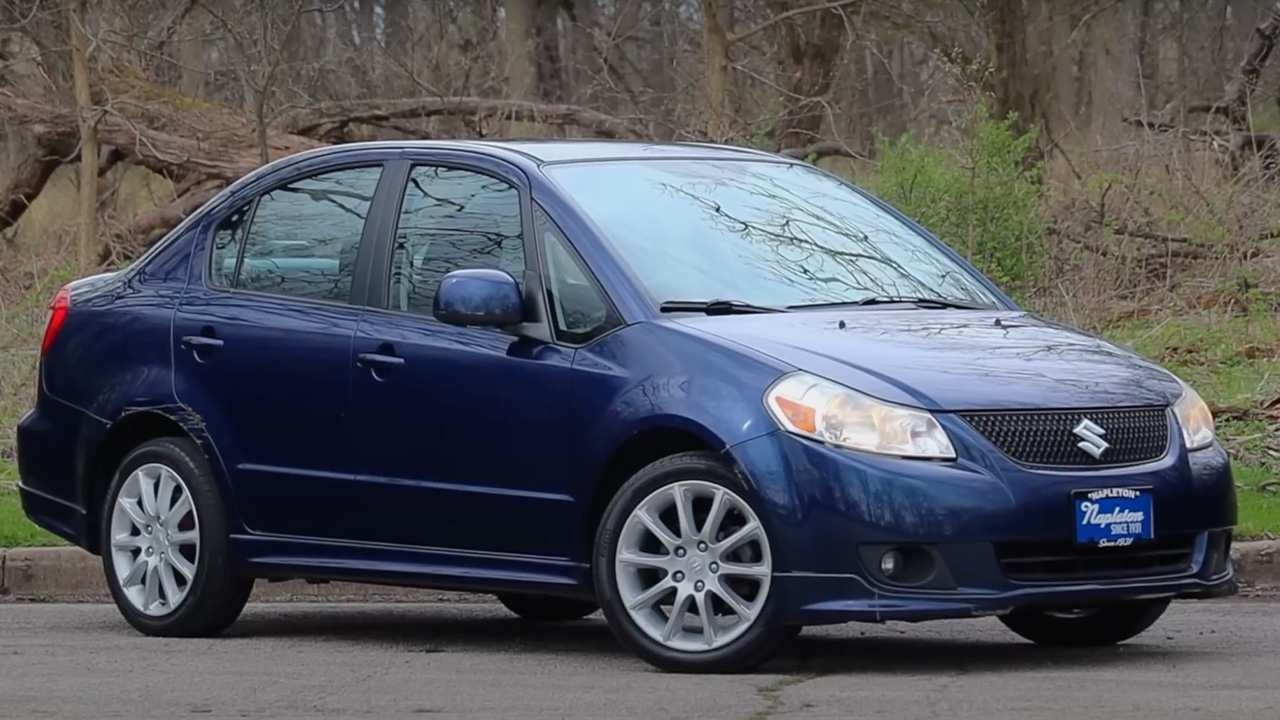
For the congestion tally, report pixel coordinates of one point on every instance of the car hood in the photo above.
(953, 359)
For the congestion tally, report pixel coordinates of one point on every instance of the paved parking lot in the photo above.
(1218, 660)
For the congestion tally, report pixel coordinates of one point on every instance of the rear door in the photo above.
(263, 339)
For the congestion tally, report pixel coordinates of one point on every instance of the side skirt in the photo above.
(289, 558)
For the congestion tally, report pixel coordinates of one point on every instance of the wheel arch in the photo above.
(640, 448)
(132, 428)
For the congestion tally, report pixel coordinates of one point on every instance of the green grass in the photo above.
(15, 529)
(1233, 361)
(1259, 511)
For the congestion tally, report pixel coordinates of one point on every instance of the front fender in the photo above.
(652, 376)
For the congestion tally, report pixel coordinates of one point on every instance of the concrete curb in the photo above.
(70, 574)
(1257, 564)
(66, 574)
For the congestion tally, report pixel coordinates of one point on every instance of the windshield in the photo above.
(759, 232)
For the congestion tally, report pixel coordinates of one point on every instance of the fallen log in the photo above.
(42, 151)
(326, 119)
(201, 150)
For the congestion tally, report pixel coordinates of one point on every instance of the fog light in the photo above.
(891, 563)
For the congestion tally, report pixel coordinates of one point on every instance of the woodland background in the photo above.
(1110, 162)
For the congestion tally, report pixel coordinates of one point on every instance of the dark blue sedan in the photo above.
(716, 393)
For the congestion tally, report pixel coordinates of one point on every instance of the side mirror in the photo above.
(484, 298)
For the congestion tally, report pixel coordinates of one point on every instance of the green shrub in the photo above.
(981, 197)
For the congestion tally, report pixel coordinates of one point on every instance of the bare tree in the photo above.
(522, 62)
(260, 32)
(1016, 85)
(87, 247)
(1235, 107)
(811, 52)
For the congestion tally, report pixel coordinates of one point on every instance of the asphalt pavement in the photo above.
(1216, 659)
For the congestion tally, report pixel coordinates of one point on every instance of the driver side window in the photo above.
(452, 219)
(580, 312)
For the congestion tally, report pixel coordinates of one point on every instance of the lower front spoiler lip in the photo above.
(881, 606)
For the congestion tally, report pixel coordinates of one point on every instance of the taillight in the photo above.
(61, 305)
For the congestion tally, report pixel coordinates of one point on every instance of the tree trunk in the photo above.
(87, 251)
(715, 45)
(1146, 58)
(550, 62)
(193, 54)
(1015, 86)
(811, 45)
(522, 61)
(367, 29)
(399, 35)
(1057, 22)
(586, 64)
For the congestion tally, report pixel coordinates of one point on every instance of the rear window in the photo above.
(299, 240)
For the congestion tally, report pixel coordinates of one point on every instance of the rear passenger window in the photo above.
(301, 239)
(452, 219)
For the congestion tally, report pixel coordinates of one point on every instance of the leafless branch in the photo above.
(766, 24)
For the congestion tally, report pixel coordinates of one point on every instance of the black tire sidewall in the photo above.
(547, 608)
(1108, 625)
(215, 588)
(752, 647)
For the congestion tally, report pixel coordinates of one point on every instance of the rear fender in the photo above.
(191, 424)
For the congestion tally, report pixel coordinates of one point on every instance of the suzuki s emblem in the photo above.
(1091, 438)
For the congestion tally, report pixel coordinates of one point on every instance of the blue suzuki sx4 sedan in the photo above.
(717, 394)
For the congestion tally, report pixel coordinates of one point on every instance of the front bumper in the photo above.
(816, 599)
(984, 520)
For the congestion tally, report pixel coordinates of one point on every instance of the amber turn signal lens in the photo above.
(800, 415)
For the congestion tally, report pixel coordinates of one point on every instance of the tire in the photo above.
(546, 609)
(204, 605)
(745, 644)
(1095, 627)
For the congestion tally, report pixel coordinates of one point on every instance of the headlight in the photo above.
(1195, 419)
(822, 410)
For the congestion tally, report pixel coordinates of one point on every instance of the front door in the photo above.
(262, 350)
(465, 437)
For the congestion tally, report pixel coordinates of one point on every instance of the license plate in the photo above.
(1113, 517)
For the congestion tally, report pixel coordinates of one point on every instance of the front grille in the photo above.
(1133, 435)
(1066, 561)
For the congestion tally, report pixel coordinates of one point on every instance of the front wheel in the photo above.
(1085, 627)
(683, 569)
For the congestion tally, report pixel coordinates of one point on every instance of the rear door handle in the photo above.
(192, 342)
(379, 360)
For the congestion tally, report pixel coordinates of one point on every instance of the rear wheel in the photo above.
(541, 608)
(1085, 627)
(164, 543)
(684, 570)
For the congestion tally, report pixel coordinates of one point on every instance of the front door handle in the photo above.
(194, 342)
(378, 360)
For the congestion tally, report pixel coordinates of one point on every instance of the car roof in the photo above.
(556, 151)
(567, 150)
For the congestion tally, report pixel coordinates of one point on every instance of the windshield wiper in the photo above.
(717, 307)
(924, 302)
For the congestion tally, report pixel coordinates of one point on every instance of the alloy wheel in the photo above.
(155, 539)
(693, 566)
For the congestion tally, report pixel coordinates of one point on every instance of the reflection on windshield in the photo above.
(760, 232)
